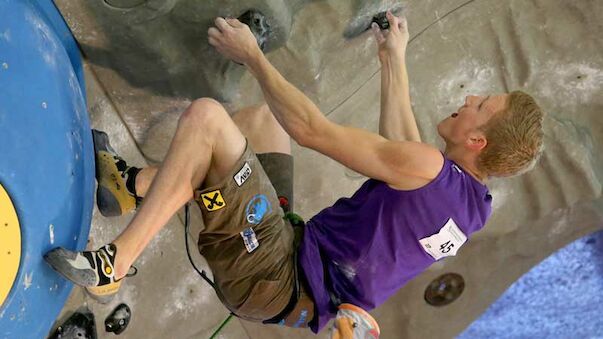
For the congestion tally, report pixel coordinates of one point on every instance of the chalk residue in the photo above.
(569, 84)
(27, 280)
(348, 270)
(166, 235)
(77, 99)
(470, 77)
(500, 195)
(187, 297)
(560, 224)
(51, 232)
(5, 35)
(47, 44)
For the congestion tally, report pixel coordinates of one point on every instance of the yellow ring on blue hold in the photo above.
(10, 244)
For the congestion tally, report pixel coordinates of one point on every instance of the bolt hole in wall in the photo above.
(559, 298)
(444, 289)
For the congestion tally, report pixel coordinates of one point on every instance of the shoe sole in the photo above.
(104, 294)
(106, 201)
(58, 260)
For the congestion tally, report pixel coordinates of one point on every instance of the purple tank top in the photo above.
(370, 245)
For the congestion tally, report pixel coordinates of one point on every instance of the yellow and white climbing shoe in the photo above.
(91, 269)
(116, 194)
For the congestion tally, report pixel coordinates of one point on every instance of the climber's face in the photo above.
(464, 127)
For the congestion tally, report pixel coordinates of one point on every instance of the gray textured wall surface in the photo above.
(151, 60)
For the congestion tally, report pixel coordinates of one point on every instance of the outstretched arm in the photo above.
(400, 164)
(295, 112)
(397, 121)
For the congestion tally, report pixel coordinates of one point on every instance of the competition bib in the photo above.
(446, 242)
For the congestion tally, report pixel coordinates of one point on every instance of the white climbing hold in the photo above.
(51, 231)
(27, 280)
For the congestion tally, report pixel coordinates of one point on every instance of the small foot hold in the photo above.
(259, 26)
(78, 325)
(119, 319)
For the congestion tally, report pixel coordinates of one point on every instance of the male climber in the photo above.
(418, 206)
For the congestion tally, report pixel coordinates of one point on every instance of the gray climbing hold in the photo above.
(259, 26)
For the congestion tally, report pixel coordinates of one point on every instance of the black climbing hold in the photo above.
(362, 23)
(258, 24)
(444, 289)
(78, 325)
(119, 319)
(381, 20)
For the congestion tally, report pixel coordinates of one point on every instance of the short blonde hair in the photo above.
(514, 136)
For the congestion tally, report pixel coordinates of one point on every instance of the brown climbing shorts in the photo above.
(246, 242)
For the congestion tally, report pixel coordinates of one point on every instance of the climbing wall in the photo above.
(46, 166)
(151, 58)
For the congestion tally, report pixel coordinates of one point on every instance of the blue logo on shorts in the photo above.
(257, 208)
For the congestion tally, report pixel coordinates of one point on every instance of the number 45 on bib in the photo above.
(446, 242)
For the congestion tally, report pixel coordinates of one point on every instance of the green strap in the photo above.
(217, 331)
(298, 227)
(295, 219)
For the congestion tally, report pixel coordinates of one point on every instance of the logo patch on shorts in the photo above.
(250, 240)
(243, 174)
(213, 200)
(257, 208)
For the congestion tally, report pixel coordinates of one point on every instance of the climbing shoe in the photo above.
(354, 323)
(91, 269)
(116, 194)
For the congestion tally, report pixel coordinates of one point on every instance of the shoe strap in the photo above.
(132, 271)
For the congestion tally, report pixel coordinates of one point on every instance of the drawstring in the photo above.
(187, 218)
